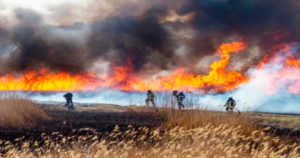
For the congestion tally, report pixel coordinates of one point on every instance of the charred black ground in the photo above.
(65, 122)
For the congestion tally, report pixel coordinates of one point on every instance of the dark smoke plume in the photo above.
(259, 23)
(150, 41)
(143, 40)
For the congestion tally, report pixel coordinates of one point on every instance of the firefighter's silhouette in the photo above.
(150, 98)
(230, 104)
(69, 103)
(179, 97)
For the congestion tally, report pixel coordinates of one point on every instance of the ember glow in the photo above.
(217, 80)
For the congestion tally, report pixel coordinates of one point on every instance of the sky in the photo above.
(53, 11)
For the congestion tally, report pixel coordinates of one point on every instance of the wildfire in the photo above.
(292, 61)
(291, 73)
(44, 80)
(282, 72)
(217, 80)
(122, 77)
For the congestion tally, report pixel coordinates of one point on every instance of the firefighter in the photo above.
(69, 103)
(150, 97)
(180, 97)
(230, 104)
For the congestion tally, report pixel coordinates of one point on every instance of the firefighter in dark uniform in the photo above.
(150, 98)
(180, 97)
(230, 104)
(68, 96)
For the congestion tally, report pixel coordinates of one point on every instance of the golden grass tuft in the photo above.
(18, 112)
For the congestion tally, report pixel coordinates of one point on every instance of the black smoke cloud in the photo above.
(4, 42)
(142, 40)
(148, 40)
(41, 46)
(259, 23)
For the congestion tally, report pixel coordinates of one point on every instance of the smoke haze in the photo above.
(160, 35)
(155, 37)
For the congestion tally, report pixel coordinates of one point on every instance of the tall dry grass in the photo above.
(190, 119)
(208, 141)
(193, 133)
(18, 112)
(196, 118)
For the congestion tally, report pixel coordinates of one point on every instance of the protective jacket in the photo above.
(150, 96)
(180, 97)
(230, 103)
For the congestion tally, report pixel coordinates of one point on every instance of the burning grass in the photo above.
(18, 112)
(193, 133)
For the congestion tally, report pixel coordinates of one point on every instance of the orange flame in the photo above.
(292, 61)
(43, 80)
(217, 80)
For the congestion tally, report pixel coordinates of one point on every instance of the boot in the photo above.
(71, 107)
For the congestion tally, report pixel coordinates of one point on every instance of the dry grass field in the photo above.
(18, 112)
(142, 132)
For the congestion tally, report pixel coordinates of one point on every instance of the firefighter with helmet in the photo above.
(230, 104)
(150, 98)
(180, 97)
(69, 103)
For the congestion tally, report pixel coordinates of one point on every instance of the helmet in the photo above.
(181, 93)
(230, 97)
(149, 91)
